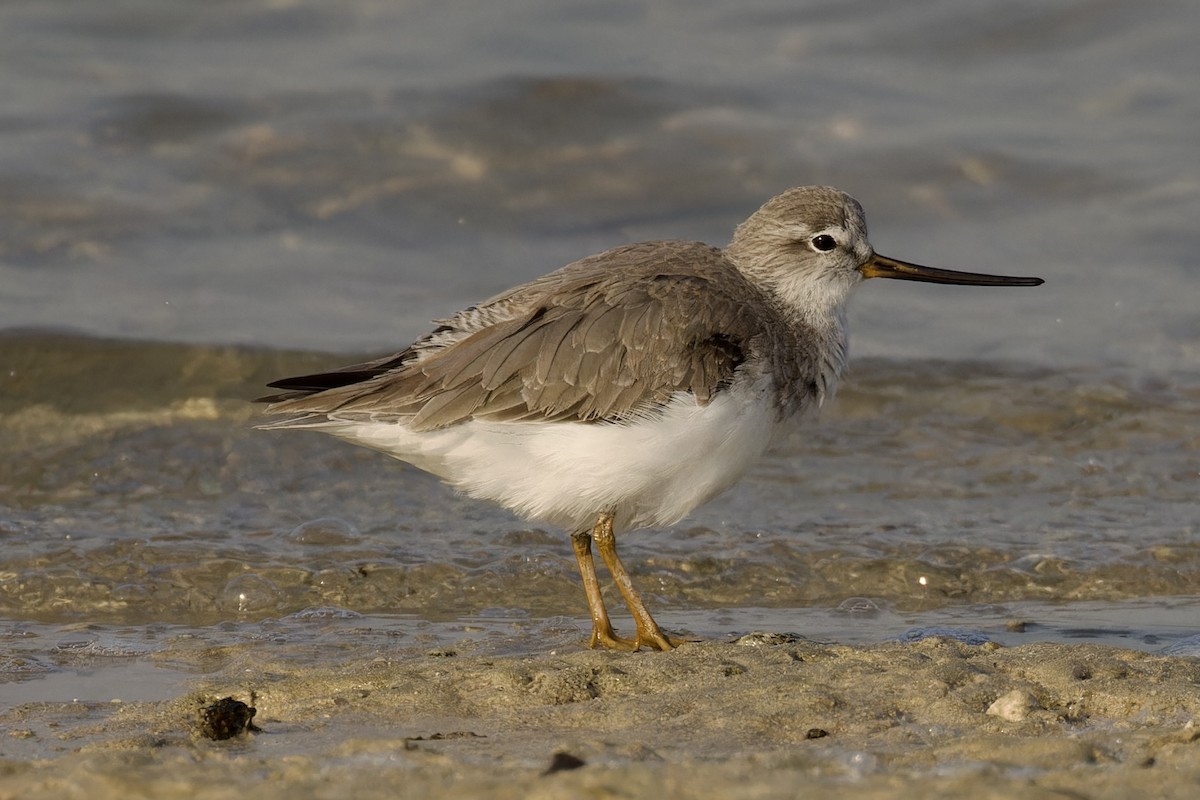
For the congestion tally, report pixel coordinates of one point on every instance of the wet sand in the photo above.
(160, 557)
(765, 716)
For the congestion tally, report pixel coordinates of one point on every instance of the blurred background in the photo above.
(331, 176)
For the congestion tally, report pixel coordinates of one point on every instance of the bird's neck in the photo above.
(812, 305)
(814, 356)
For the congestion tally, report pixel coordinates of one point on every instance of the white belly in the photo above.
(650, 472)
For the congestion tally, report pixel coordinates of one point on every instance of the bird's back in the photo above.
(605, 338)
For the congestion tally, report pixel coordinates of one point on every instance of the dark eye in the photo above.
(824, 242)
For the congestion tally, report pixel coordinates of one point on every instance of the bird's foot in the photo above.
(654, 639)
(659, 640)
(610, 641)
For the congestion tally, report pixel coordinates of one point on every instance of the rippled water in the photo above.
(927, 484)
(273, 182)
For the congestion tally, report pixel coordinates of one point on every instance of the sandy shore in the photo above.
(765, 716)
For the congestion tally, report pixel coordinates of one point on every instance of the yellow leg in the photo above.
(648, 632)
(603, 634)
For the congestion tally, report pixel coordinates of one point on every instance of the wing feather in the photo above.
(605, 338)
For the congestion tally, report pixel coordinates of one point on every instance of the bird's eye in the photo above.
(824, 242)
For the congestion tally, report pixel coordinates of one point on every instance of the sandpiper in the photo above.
(627, 388)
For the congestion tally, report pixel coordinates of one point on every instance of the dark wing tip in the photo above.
(305, 385)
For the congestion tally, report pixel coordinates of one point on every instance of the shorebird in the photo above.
(627, 388)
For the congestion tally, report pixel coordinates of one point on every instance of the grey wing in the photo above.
(609, 337)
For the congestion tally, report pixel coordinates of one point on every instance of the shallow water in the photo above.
(115, 663)
(334, 177)
(195, 201)
(927, 487)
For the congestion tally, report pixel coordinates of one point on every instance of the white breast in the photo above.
(650, 472)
